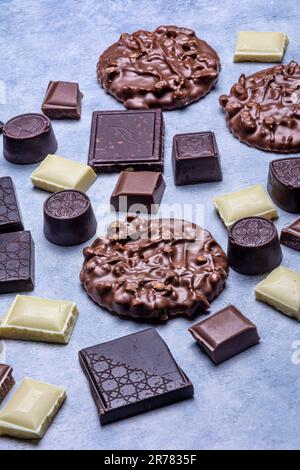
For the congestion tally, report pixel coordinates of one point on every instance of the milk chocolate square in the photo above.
(10, 216)
(122, 140)
(6, 381)
(290, 236)
(195, 158)
(133, 374)
(62, 100)
(16, 262)
(225, 334)
(138, 191)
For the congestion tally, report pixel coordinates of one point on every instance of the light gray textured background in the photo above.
(251, 401)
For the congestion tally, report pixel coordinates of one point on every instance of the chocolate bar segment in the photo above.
(290, 236)
(195, 158)
(133, 374)
(122, 140)
(225, 334)
(28, 138)
(260, 46)
(6, 381)
(284, 183)
(16, 262)
(138, 191)
(10, 216)
(253, 246)
(62, 100)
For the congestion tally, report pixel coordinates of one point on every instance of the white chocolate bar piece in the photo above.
(281, 289)
(57, 173)
(36, 319)
(247, 202)
(258, 46)
(31, 409)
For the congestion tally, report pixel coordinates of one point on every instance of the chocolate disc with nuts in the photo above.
(156, 268)
(168, 68)
(263, 109)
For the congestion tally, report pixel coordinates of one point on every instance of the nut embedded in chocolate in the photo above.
(150, 268)
(262, 110)
(69, 218)
(253, 246)
(28, 138)
(284, 183)
(169, 68)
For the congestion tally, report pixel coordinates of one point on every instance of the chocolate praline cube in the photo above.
(122, 140)
(16, 262)
(62, 100)
(284, 183)
(138, 191)
(225, 334)
(195, 158)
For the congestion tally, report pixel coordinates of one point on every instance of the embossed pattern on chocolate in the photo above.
(16, 262)
(66, 204)
(263, 109)
(24, 126)
(253, 246)
(284, 183)
(154, 268)
(168, 68)
(253, 231)
(133, 374)
(288, 171)
(10, 217)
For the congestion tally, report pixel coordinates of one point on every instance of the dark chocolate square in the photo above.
(62, 100)
(16, 262)
(195, 158)
(133, 374)
(138, 191)
(10, 216)
(123, 140)
(225, 334)
(290, 236)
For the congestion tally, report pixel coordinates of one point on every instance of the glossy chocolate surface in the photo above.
(123, 140)
(290, 236)
(6, 381)
(1, 126)
(225, 334)
(284, 183)
(28, 138)
(154, 268)
(263, 109)
(195, 158)
(62, 100)
(133, 374)
(253, 246)
(10, 215)
(138, 191)
(16, 262)
(69, 218)
(168, 68)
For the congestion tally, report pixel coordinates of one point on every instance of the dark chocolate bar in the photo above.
(225, 334)
(133, 374)
(16, 262)
(10, 216)
(6, 381)
(122, 140)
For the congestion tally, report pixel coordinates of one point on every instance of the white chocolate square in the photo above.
(247, 202)
(31, 409)
(37, 319)
(281, 289)
(258, 46)
(57, 173)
